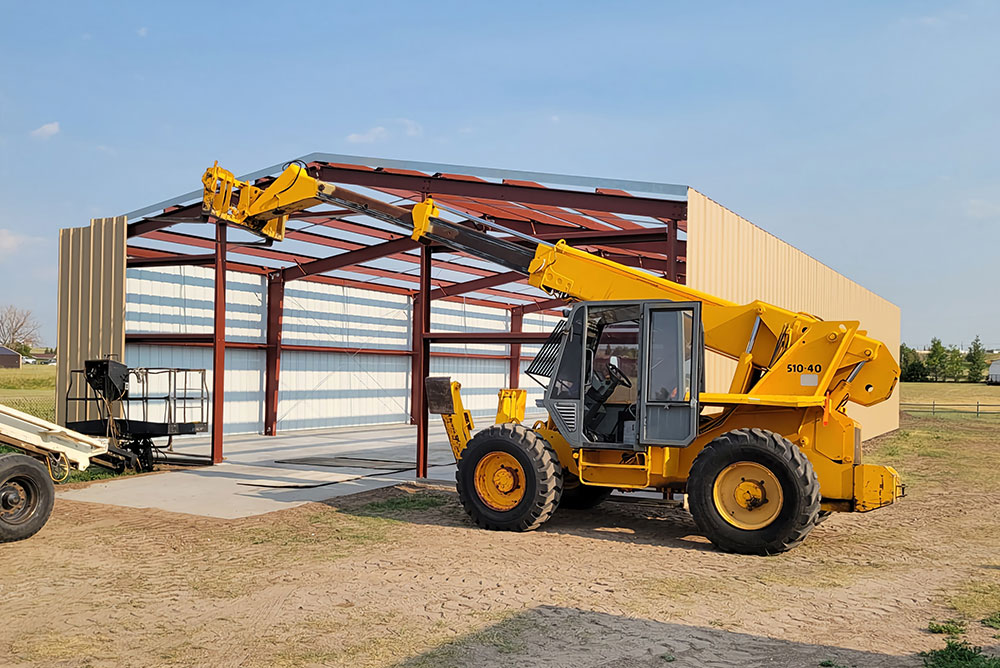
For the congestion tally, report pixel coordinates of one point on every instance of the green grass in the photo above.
(830, 663)
(929, 449)
(979, 598)
(409, 502)
(31, 390)
(949, 393)
(958, 654)
(952, 627)
(31, 377)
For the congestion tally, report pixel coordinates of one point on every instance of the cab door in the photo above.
(670, 373)
(565, 395)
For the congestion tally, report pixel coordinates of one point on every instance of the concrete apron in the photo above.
(251, 481)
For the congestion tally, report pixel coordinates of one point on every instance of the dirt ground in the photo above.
(399, 577)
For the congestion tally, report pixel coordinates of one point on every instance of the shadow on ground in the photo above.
(557, 637)
(619, 522)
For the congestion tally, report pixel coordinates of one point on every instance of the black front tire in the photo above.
(26, 497)
(799, 485)
(578, 496)
(542, 478)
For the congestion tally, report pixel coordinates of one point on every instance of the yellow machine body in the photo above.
(840, 362)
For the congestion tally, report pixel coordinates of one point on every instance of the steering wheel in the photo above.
(618, 375)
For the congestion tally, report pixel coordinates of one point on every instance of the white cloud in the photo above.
(981, 209)
(106, 149)
(934, 20)
(377, 133)
(554, 118)
(10, 242)
(142, 32)
(411, 128)
(46, 131)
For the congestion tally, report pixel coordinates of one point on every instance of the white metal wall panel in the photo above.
(318, 314)
(481, 380)
(462, 317)
(733, 258)
(180, 300)
(339, 390)
(244, 407)
(317, 389)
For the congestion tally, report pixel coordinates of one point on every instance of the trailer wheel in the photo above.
(754, 492)
(578, 496)
(26, 497)
(509, 478)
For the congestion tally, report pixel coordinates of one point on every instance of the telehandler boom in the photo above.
(761, 464)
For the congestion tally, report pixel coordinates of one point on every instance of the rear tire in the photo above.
(509, 478)
(578, 496)
(772, 477)
(26, 497)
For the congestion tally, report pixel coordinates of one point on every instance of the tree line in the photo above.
(943, 363)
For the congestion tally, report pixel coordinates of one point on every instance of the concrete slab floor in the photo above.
(251, 482)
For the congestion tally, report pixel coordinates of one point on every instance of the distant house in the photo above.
(9, 359)
(993, 377)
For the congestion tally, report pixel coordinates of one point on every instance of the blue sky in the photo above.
(866, 134)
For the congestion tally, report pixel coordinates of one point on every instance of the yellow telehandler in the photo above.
(761, 464)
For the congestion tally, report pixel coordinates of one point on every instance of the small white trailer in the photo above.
(26, 480)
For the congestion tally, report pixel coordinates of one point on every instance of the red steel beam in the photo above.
(170, 216)
(299, 259)
(272, 360)
(348, 259)
(543, 305)
(172, 260)
(485, 337)
(139, 252)
(219, 343)
(507, 191)
(456, 289)
(205, 341)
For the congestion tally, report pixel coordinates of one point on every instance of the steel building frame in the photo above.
(636, 223)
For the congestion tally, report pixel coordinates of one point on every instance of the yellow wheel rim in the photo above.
(500, 481)
(748, 495)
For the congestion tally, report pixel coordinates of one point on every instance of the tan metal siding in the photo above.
(91, 316)
(733, 258)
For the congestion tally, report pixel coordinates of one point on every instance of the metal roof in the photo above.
(637, 223)
(666, 190)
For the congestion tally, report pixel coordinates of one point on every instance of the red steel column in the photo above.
(673, 247)
(516, 323)
(272, 367)
(422, 356)
(219, 343)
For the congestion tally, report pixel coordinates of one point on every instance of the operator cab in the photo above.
(627, 374)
